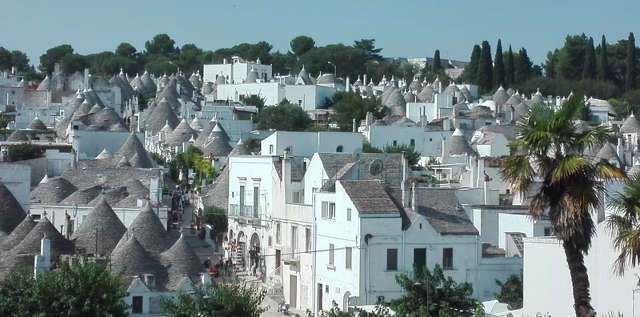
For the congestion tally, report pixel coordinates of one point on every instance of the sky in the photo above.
(403, 28)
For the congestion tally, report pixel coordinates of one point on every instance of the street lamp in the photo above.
(335, 69)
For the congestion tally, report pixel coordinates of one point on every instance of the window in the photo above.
(278, 233)
(395, 142)
(348, 214)
(270, 241)
(430, 139)
(294, 238)
(136, 305)
(241, 198)
(270, 148)
(339, 148)
(331, 254)
(392, 259)
(256, 201)
(447, 258)
(328, 210)
(347, 255)
(548, 232)
(307, 235)
(412, 143)
(419, 257)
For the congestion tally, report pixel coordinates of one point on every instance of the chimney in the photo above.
(364, 79)
(286, 175)
(403, 184)
(42, 262)
(353, 125)
(620, 152)
(154, 190)
(347, 85)
(413, 195)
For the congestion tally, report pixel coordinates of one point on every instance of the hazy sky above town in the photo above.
(411, 28)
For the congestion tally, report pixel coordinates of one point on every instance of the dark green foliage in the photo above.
(20, 61)
(5, 58)
(302, 44)
(254, 100)
(349, 105)
(410, 153)
(589, 71)
(217, 218)
(498, 67)
(25, 151)
(368, 47)
(523, 66)
(603, 65)
(213, 300)
(484, 79)
(437, 63)
(368, 148)
(631, 63)
(192, 159)
(433, 294)
(562, 87)
(471, 71)
(510, 292)
(86, 289)
(161, 44)
(551, 64)
(510, 68)
(72, 63)
(190, 59)
(284, 117)
(54, 55)
(571, 57)
(632, 97)
(126, 50)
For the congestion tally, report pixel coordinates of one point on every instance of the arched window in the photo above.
(339, 148)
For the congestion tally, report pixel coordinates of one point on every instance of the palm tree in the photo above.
(548, 151)
(625, 224)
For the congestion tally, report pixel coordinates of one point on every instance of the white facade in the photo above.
(236, 72)
(441, 106)
(272, 93)
(309, 97)
(305, 144)
(427, 143)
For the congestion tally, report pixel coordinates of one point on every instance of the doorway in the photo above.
(319, 297)
(277, 259)
(293, 291)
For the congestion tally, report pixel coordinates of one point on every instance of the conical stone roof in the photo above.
(31, 242)
(11, 213)
(217, 143)
(18, 234)
(608, 153)
(53, 191)
(148, 230)
(101, 228)
(37, 125)
(82, 197)
(500, 97)
(131, 147)
(457, 145)
(104, 155)
(182, 133)
(123, 162)
(180, 261)
(630, 125)
(427, 94)
(160, 114)
(18, 136)
(149, 84)
(129, 259)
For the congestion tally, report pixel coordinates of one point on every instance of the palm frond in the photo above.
(568, 167)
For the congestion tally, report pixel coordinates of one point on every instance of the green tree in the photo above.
(126, 50)
(433, 294)
(214, 300)
(190, 58)
(437, 63)
(368, 148)
(349, 105)
(72, 63)
(589, 71)
(523, 69)
(20, 61)
(485, 68)
(551, 64)
(549, 148)
(217, 218)
(471, 70)
(192, 159)
(368, 47)
(410, 153)
(52, 56)
(571, 57)
(255, 101)
(510, 68)
(498, 67)
(631, 64)
(603, 66)
(5, 58)
(302, 44)
(284, 117)
(510, 292)
(80, 289)
(161, 44)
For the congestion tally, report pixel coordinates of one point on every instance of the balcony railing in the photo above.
(245, 211)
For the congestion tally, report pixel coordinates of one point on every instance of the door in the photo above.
(419, 257)
(277, 258)
(319, 297)
(293, 291)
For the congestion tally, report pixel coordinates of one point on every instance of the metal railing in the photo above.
(245, 211)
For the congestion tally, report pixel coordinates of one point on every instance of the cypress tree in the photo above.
(603, 71)
(471, 71)
(589, 70)
(631, 64)
(485, 69)
(523, 66)
(510, 68)
(437, 65)
(498, 66)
